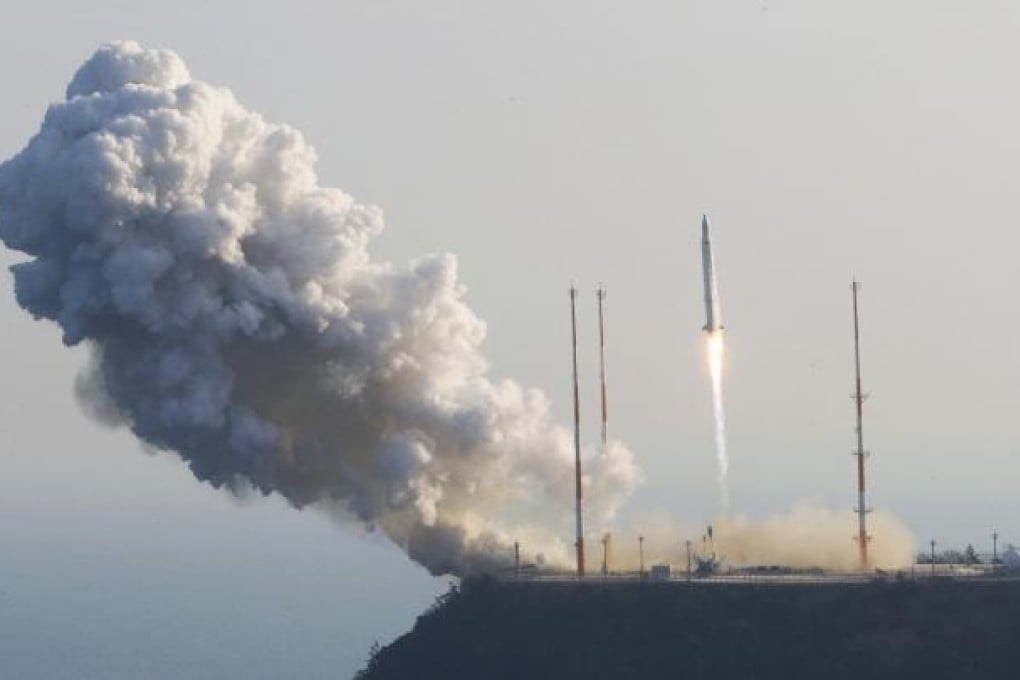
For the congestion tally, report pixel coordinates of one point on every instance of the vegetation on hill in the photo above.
(895, 629)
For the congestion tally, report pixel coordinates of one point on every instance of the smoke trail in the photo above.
(716, 352)
(236, 317)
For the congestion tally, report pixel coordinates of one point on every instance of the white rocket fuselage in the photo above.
(713, 315)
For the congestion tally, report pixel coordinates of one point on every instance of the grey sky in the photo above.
(543, 144)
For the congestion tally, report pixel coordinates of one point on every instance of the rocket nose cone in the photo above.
(704, 227)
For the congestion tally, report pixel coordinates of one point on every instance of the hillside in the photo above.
(491, 629)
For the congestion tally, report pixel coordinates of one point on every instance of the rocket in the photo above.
(713, 315)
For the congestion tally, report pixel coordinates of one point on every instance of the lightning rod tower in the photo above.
(579, 543)
(860, 453)
(601, 294)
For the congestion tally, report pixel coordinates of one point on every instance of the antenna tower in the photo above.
(602, 371)
(579, 543)
(859, 397)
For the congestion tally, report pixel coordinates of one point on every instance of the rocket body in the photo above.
(713, 314)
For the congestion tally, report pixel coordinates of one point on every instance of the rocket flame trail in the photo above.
(716, 352)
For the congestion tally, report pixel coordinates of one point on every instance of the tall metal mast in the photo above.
(602, 371)
(605, 554)
(859, 397)
(579, 544)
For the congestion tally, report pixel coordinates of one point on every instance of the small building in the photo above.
(660, 572)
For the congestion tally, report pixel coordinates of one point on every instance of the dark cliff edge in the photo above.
(895, 629)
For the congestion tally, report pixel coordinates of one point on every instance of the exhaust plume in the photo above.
(716, 353)
(235, 317)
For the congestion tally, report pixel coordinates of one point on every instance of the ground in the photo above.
(894, 628)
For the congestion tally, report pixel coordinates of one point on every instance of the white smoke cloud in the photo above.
(236, 318)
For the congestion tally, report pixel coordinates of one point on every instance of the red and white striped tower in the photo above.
(859, 397)
(579, 543)
(602, 371)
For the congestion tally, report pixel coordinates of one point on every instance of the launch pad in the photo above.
(776, 575)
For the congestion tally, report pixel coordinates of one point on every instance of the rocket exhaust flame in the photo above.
(716, 353)
(236, 317)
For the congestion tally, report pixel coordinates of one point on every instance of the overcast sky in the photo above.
(543, 145)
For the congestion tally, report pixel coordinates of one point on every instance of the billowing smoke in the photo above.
(236, 317)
